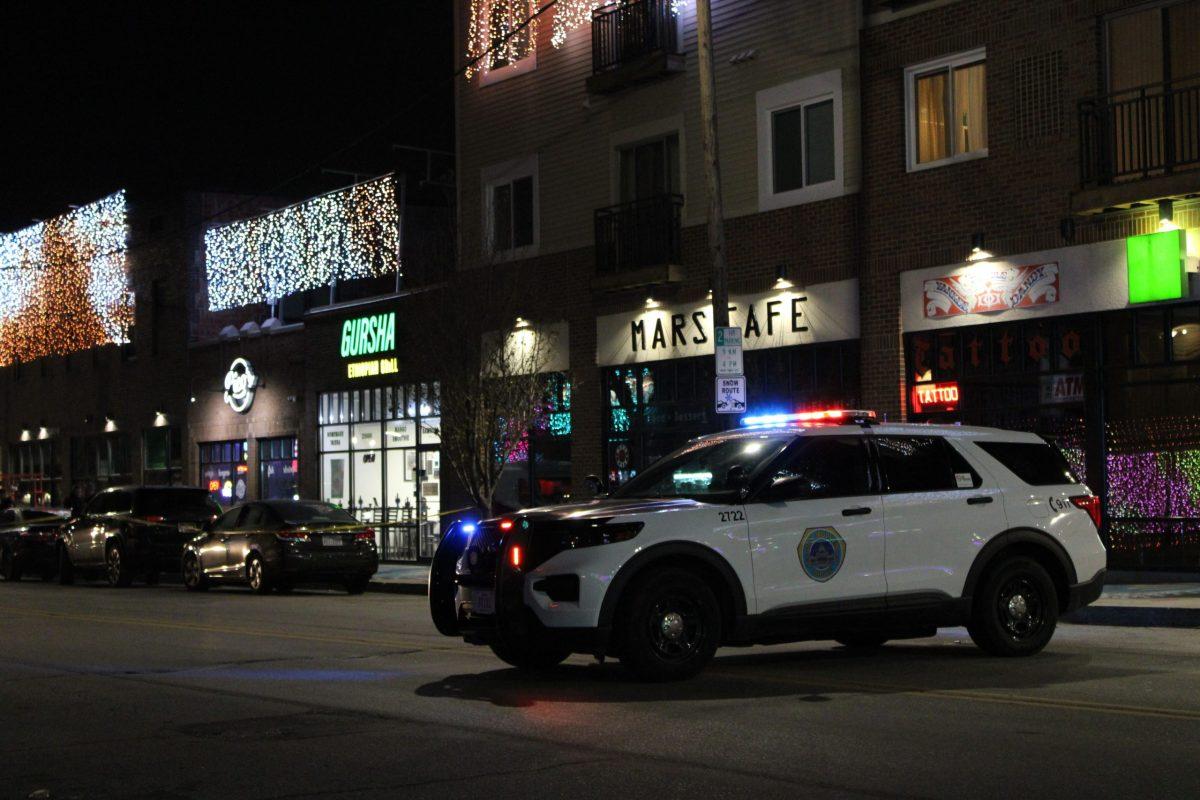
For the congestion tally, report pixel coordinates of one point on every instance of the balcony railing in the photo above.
(630, 30)
(637, 235)
(1146, 132)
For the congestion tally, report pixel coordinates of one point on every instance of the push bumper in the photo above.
(1085, 593)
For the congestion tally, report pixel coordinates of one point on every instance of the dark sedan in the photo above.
(133, 531)
(27, 543)
(276, 544)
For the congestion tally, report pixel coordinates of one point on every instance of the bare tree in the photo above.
(491, 367)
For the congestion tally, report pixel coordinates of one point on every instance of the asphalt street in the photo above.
(155, 693)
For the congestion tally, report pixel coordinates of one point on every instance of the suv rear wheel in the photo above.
(1015, 610)
(671, 626)
(116, 568)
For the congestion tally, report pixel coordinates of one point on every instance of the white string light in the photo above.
(64, 283)
(351, 233)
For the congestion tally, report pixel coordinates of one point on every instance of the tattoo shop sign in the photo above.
(826, 312)
(986, 286)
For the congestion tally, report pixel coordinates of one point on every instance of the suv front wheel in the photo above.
(1016, 609)
(671, 626)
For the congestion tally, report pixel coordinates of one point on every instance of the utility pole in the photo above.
(712, 165)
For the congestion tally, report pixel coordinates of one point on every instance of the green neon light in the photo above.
(366, 336)
(1157, 266)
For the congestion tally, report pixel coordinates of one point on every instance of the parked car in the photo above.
(132, 531)
(277, 544)
(776, 533)
(27, 543)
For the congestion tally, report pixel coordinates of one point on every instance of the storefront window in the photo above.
(1118, 393)
(162, 456)
(279, 468)
(379, 460)
(101, 461)
(223, 471)
(539, 470)
(34, 475)
(654, 408)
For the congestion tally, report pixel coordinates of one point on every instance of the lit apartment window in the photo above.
(800, 141)
(511, 208)
(947, 110)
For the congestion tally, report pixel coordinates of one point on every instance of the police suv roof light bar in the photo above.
(836, 416)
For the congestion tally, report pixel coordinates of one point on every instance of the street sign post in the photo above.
(729, 352)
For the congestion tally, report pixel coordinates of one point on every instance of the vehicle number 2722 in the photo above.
(732, 516)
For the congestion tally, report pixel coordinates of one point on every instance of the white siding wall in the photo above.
(548, 111)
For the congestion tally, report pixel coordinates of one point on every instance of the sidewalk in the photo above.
(1130, 599)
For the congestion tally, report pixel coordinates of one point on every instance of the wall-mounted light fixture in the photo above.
(781, 279)
(521, 323)
(160, 419)
(26, 435)
(1166, 215)
(978, 253)
(192, 399)
(110, 424)
(651, 302)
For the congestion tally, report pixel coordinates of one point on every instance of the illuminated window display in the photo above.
(223, 471)
(380, 460)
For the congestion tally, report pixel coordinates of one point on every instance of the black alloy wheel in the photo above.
(1016, 609)
(194, 579)
(671, 625)
(116, 568)
(256, 575)
(66, 570)
(9, 571)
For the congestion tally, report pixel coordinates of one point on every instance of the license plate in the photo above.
(332, 541)
(482, 601)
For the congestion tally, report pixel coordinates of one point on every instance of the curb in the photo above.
(1136, 617)
(397, 587)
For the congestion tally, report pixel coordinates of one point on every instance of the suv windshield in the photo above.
(176, 504)
(702, 470)
(312, 514)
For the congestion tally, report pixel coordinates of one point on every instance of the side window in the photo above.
(99, 504)
(253, 519)
(121, 503)
(228, 520)
(825, 466)
(915, 463)
(965, 476)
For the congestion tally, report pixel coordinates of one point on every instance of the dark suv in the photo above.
(133, 530)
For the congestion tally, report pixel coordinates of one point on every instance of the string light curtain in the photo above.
(64, 284)
(347, 234)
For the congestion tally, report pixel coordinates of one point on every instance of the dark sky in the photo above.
(217, 95)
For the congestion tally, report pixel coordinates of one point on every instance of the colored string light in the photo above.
(351, 233)
(64, 284)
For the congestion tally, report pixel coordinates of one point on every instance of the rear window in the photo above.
(1036, 463)
(170, 503)
(312, 514)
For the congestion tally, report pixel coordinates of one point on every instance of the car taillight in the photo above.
(1091, 504)
(515, 556)
(506, 525)
(365, 536)
(291, 536)
(155, 518)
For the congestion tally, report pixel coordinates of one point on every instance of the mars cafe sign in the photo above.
(374, 336)
(823, 312)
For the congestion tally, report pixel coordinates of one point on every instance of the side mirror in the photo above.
(596, 486)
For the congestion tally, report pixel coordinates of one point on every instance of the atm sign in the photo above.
(928, 397)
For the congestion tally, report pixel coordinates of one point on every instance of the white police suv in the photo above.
(822, 525)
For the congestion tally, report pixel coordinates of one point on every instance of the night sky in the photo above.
(211, 95)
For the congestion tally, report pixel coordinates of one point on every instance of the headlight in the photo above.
(599, 533)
